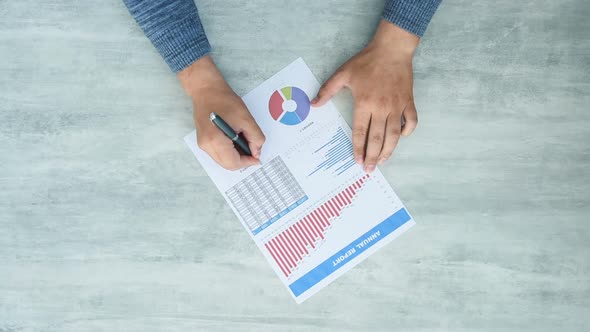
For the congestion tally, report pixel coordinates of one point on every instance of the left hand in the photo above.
(381, 80)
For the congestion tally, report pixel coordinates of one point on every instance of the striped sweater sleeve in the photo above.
(174, 28)
(411, 15)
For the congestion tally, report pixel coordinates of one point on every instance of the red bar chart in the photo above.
(289, 248)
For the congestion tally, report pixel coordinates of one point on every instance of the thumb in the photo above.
(410, 116)
(330, 88)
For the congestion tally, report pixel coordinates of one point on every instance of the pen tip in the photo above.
(212, 116)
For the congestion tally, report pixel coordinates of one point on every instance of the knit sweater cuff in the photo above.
(411, 15)
(183, 44)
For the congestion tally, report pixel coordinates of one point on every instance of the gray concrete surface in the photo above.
(108, 223)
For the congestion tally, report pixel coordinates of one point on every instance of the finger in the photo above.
(246, 161)
(233, 161)
(254, 136)
(245, 124)
(411, 119)
(330, 88)
(226, 155)
(392, 133)
(360, 128)
(375, 141)
(221, 149)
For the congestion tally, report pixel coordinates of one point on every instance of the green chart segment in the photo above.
(277, 109)
(287, 92)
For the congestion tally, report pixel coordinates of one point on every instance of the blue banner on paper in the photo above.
(349, 252)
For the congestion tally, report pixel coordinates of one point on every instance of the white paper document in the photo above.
(312, 211)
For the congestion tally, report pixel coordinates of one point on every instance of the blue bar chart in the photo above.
(336, 155)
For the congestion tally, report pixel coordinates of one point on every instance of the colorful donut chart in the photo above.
(290, 118)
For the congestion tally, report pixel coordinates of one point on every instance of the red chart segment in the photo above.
(276, 105)
(289, 247)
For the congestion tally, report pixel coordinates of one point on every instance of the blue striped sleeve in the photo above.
(174, 28)
(411, 15)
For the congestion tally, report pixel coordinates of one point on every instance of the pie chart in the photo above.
(289, 105)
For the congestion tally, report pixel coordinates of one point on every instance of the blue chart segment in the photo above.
(266, 195)
(337, 154)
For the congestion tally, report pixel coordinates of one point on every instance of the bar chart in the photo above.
(336, 154)
(289, 248)
(310, 208)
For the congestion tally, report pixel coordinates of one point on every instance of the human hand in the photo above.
(210, 93)
(381, 80)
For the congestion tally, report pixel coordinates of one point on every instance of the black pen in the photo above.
(230, 133)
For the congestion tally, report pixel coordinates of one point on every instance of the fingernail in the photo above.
(370, 168)
(314, 100)
(381, 161)
(358, 159)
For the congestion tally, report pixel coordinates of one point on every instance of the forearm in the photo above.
(174, 28)
(394, 41)
(411, 15)
(200, 77)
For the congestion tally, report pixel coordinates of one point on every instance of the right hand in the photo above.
(210, 93)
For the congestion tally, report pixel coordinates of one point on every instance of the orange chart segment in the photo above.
(289, 248)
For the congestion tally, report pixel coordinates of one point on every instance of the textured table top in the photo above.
(108, 223)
